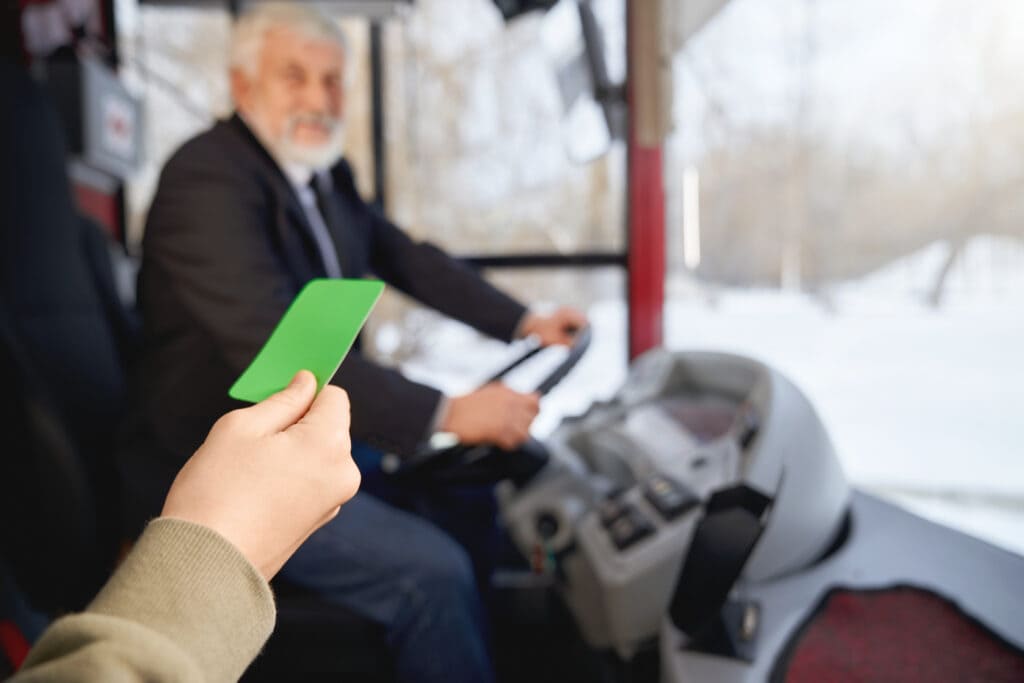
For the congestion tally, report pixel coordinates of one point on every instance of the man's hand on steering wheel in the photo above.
(559, 327)
(495, 414)
(494, 419)
(492, 414)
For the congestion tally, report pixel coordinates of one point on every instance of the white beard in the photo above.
(287, 151)
(317, 157)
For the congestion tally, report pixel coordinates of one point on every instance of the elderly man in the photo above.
(244, 215)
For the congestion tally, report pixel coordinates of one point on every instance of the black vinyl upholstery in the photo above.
(65, 344)
(63, 361)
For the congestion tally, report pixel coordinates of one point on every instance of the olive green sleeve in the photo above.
(184, 606)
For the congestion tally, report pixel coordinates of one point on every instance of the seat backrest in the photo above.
(65, 342)
(49, 536)
(63, 356)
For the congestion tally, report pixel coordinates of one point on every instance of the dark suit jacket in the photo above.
(227, 247)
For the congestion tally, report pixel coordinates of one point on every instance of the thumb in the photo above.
(279, 411)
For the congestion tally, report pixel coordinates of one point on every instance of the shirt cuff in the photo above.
(440, 415)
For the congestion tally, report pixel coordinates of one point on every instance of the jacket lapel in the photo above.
(293, 230)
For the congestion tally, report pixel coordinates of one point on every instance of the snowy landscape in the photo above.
(925, 406)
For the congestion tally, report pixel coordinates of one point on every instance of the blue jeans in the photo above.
(401, 571)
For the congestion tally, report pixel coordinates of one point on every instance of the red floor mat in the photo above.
(895, 634)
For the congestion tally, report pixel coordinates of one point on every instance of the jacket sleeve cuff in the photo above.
(517, 331)
(192, 585)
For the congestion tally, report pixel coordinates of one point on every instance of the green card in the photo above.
(314, 334)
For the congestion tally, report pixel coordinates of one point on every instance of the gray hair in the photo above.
(252, 26)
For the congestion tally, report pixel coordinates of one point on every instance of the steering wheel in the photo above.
(487, 463)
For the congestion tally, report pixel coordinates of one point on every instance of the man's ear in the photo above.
(241, 89)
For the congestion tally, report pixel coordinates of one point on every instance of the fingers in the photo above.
(571, 321)
(493, 414)
(525, 406)
(517, 404)
(577, 322)
(329, 414)
(560, 327)
(281, 410)
(513, 436)
(571, 318)
(521, 411)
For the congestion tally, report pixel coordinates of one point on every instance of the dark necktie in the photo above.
(312, 198)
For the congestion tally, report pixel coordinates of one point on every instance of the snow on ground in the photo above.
(921, 402)
(925, 406)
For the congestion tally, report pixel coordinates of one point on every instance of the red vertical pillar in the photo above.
(646, 192)
(646, 260)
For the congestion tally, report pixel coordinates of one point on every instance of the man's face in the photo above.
(297, 96)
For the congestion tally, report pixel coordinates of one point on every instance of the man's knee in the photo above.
(438, 591)
(446, 569)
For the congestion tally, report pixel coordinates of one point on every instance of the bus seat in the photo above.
(64, 343)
